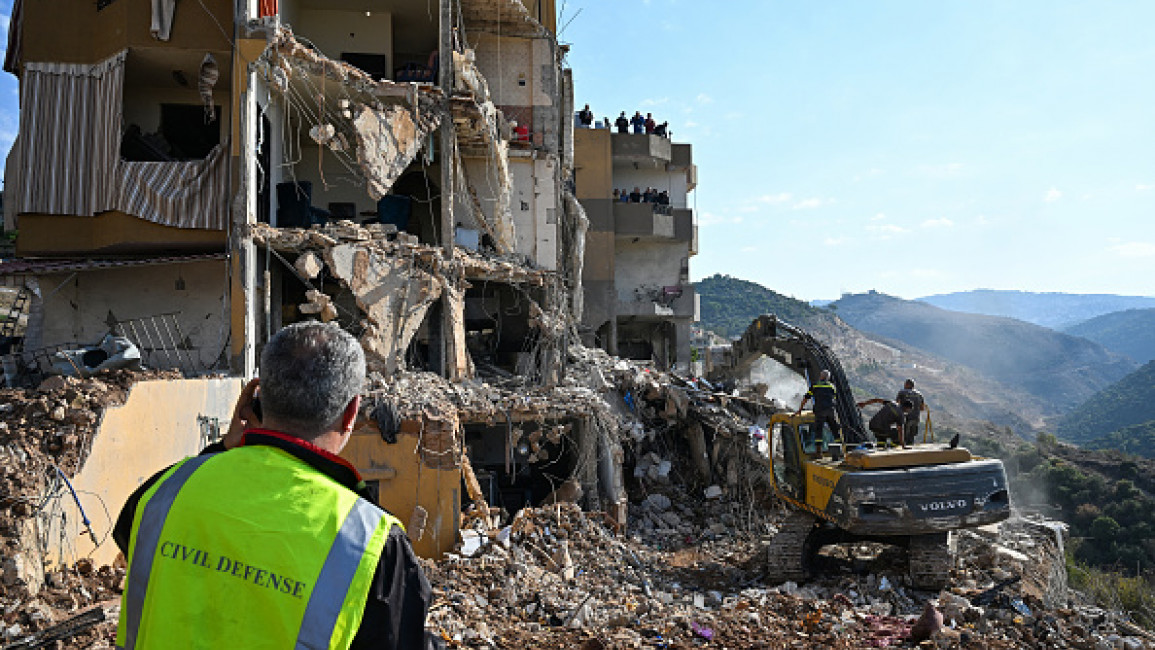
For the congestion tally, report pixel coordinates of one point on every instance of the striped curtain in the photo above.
(69, 137)
(67, 155)
(193, 194)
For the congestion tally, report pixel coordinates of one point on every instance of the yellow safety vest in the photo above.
(251, 548)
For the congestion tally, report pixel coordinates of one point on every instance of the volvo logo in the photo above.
(940, 506)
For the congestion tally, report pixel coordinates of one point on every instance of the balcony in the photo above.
(642, 150)
(651, 222)
(660, 303)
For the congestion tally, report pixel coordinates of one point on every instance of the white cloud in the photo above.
(1134, 249)
(878, 217)
(711, 219)
(658, 101)
(940, 171)
(938, 223)
(1052, 195)
(871, 173)
(886, 229)
(750, 249)
(703, 98)
(782, 197)
(834, 241)
(810, 204)
(1143, 187)
(689, 124)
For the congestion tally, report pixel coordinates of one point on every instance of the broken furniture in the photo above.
(111, 353)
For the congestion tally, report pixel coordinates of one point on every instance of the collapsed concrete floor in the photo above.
(682, 569)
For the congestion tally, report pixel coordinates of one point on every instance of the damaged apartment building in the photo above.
(190, 177)
(639, 302)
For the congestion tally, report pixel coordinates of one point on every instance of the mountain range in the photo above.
(1058, 369)
(1054, 310)
(1122, 416)
(1130, 332)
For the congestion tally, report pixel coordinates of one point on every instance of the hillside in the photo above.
(1130, 332)
(730, 304)
(1058, 369)
(1137, 440)
(1053, 310)
(1128, 404)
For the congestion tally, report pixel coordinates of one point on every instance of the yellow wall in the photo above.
(73, 31)
(407, 482)
(593, 164)
(545, 11)
(112, 232)
(155, 427)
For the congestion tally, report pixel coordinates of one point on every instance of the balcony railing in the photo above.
(650, 150)
(653, 222)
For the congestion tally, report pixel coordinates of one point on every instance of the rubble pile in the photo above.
(45, 435)
(558, 576)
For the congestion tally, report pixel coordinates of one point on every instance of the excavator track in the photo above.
(930, 560)
(788, 554)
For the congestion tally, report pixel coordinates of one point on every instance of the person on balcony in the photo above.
(586, 117)
(636, 195)
(623, 123)
(650, 123)
(638, 122)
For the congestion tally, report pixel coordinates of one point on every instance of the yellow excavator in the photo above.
(856, 489)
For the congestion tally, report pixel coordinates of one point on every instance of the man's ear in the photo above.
(349, 417)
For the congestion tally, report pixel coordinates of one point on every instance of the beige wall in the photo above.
(142, 105)
(77, 306)
(336, 31)
(645, 263)
(536, 225)
(160, 423)
(507, 62)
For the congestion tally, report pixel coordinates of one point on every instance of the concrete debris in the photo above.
(309, 265)
(384, 123)
(45, 433)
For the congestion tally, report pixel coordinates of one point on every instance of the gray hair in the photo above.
(310, 371)
(824, 375)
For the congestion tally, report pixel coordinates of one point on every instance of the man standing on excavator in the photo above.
(910, 394)
(824, 395)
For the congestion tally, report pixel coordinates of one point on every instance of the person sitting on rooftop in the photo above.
(661, 129)
(636, 195)
(650, 123)
(638, 122)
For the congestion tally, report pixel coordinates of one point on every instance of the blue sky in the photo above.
(910, 147)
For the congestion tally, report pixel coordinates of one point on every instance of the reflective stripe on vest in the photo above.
(147, 538)
(337, 554)
(337, 574)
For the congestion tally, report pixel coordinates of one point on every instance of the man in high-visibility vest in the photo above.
(268, 539)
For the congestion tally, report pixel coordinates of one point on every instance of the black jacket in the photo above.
(399, 598)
